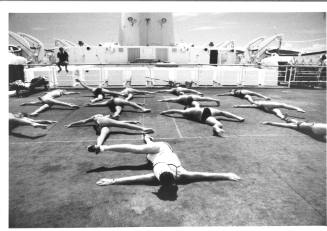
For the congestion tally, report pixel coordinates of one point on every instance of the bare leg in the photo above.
(216, 126)
(136, 106)
(249, 98)
(258, 95)
(117, 112)
(195, 104)
(192, 91)
(57, 102)
(40, 109)
(226, 114)
(130, 126)
(45, 121)
(27, 122)
(103, 135)
(172, 111)
(32, 103)
(290, 107)
(197, 98)
(278, 113)
(98, 98)
(129, 97)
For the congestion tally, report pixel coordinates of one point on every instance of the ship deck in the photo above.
(52, 175)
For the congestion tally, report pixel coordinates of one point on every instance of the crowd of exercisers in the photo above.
(167, 168)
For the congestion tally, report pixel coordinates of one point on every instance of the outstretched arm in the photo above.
(127, 180)
(258, 95)
(97, 104)
(84, 85)
(284, 125)
(80, 122)
(130, 121)
(136, 149)
(163, 91)
(114, 93)
(246, 106)
(174, 99)
(225, 94)
(208, 176)
(71, 93)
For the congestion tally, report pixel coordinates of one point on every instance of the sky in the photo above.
(301, 31)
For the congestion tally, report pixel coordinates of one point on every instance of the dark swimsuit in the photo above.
(175, 92)
(98, 91)
(112, 106)
(239, 94)
(205, 114)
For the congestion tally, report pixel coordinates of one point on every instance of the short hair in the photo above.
(167, 179)
(61, 48)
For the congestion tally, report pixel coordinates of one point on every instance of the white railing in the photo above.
(154, 74)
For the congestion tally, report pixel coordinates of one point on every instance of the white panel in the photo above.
(268, 77)
(92, 76)
(185, 74)
(65, 79)
(139, 76)
(250, 76)
(162, 75)
(229, 75)
(114, 76)
(206, 77)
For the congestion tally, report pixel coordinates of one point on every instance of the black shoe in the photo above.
(92, 148)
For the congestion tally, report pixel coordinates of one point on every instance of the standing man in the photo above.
(63, 59)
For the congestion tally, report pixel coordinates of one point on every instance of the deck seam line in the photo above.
(178, 131)
(295, 191)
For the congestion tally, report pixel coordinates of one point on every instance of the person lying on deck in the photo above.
(129, 92)
(315, 130)
(205, 115)
(179, 91)
(167, 167)
(190, 100)
(116, 105)
(271, 107)
(49, 99)
(244, 94)
(103, 123)
(21, 119)
(98, 92)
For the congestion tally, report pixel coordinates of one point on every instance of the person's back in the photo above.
(54, 94)
(164, 155)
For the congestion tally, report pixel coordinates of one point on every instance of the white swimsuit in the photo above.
(165, 161)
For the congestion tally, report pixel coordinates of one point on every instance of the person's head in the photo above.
(167, 179)
(169, 188)
(232, 91)
(61, 49)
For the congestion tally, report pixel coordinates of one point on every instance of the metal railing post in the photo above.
(285, 77)
(289, 79)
